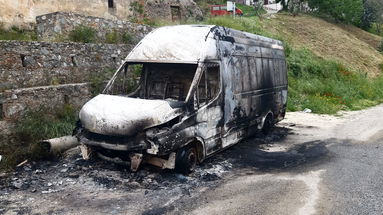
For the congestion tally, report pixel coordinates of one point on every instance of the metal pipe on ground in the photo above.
(59, 145)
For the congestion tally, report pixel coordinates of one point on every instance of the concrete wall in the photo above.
(23, 12)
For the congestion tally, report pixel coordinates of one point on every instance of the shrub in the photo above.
(83, 34)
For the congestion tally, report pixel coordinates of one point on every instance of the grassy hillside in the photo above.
(349, 45)
(330, 67)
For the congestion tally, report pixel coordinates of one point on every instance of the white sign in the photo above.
(230, 6)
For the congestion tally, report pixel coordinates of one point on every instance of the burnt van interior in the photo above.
(165, 81)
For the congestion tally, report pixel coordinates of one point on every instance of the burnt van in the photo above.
(202, 88)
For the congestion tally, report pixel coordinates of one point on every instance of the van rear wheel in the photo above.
(267, 125)
(186, 160)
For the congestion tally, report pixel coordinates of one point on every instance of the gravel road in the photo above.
(310, 164)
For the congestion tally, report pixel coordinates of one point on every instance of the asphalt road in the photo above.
(347, 179)
(310, 164)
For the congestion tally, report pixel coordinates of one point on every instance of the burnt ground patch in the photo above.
(62, 177)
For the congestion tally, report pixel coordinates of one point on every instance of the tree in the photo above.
(348, 11)
(373, 10)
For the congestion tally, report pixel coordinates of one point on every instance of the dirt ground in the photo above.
(239, 180)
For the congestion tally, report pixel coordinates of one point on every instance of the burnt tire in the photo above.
(267, 125)
(186, 160)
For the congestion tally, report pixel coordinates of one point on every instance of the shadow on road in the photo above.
(270, 153)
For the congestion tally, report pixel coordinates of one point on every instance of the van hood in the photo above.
(120, 115)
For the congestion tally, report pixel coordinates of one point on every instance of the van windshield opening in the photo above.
(153, 81)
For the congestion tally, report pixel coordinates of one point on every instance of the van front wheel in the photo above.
(186, 160)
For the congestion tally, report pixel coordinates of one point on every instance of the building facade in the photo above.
(24, 12)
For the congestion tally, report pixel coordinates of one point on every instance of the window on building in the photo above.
(110, 3)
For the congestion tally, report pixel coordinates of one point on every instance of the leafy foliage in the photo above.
(348, 11)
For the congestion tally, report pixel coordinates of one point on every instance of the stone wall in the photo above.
(60, 24)
(16, 102)
(44, 73)
(30, 64)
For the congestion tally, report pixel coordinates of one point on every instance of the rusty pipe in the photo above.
(59, 145)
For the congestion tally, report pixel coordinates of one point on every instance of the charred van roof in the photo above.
(192, 43)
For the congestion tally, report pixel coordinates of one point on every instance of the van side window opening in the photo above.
(209, 84)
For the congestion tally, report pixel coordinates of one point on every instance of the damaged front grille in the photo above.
(120, 143)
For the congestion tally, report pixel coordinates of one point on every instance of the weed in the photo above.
(34, 126)
(83, 34)
(98, 81)
(111, 37)
(126, 38)
(15, 33)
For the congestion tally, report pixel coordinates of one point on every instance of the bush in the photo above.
(83, 34)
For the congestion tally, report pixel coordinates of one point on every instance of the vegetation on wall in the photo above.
(83, 34)
(15, 33)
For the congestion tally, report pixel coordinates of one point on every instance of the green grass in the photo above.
(33, 127)
(249, 11)
(15, 33)
(83, 34)
(250, 24)
(327, 87)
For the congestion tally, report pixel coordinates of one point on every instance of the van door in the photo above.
(209, 115)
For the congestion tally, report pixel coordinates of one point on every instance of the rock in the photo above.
(17, 184)
(135, 184)
(306, 110)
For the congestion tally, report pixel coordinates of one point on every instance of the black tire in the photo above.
(186, 160)
(267, 125)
